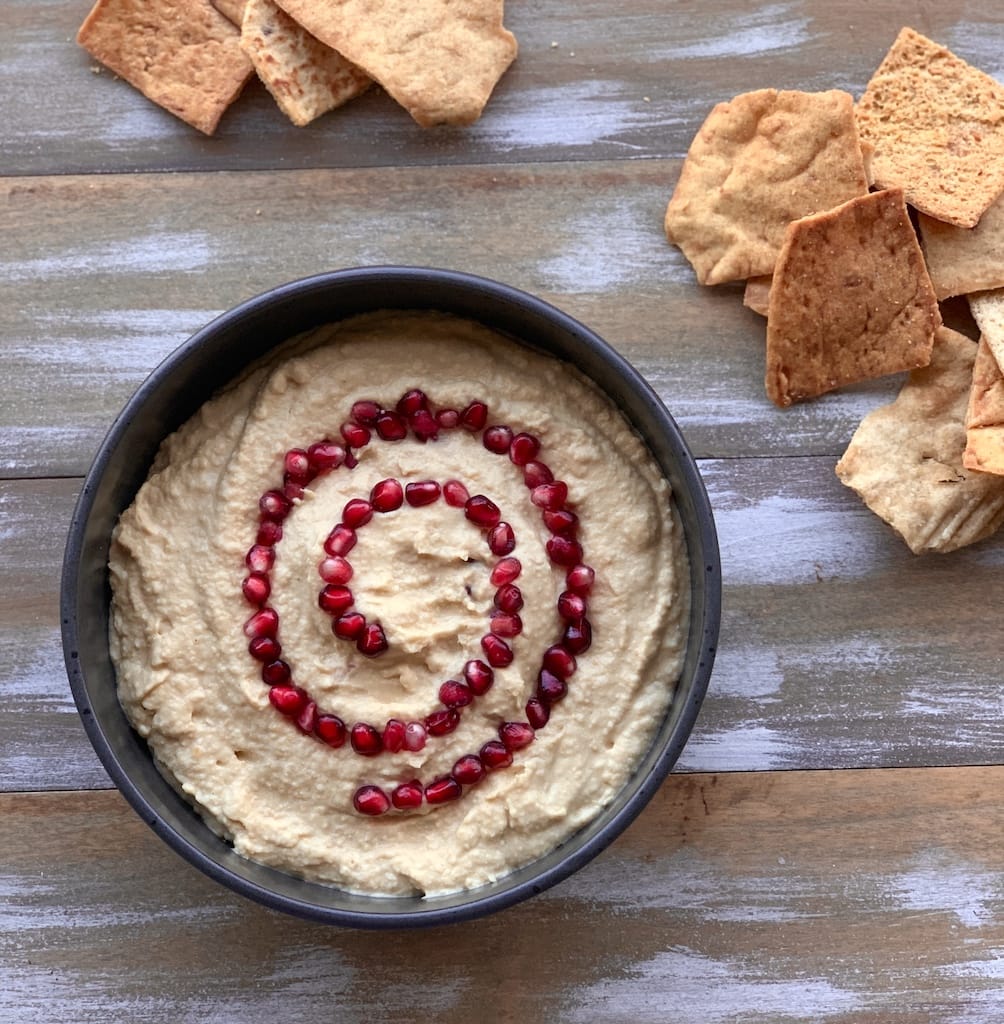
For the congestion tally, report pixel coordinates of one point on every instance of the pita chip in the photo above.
(232, 10)
(756, 295)
(760, 161)
(850, 300)
(182, 54)
(988, 312)
(985, 415)
(964, 260)
(440, 59)
(305, 77)
(937, 125)
(905, 459)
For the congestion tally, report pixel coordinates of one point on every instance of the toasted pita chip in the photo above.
(988, 312)
(985, 415)
(440, 59)
(756, 296)
(937, 125)
(964, 260)
(850, 300)
(905, 459)
(182, 54)
(759, 162)
(305, 77)
(232, 10)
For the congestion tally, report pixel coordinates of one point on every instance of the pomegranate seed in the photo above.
(578, 636)
(263, 623)
(562, 521)
(260, 558)
(393, 735)
(440, 791)
(331, 729)
(371, 800)
(479, 677)
(482, 511)
(559, 661)
(340, 541)
(350, 460)
(325, 455)
(335, 570)
(349, 626)
(550, 689)
(256, 588)
(296, 464)
(537, 713)
(455, 695)
(550, 496)
(306, 720)
(455, 494)
(580, 579)
(497, 439)
(275, 673)
(356, 435)
(475, 416)
(501, 539)
(536, 474)
(505, 625)
(448, 418)
(387, 495)
(408, 795)
(440, 723)
(563, 550)
(497, 651)
(468, 770)
(269, 533)
(335, 599)
(366, 412)
(391, 427)
(424, 492)
(264, 648)
(357, 512)
(509, 598)
(415, 736)
(365, 739)
(523, 449)
(289, 700)
(291, 490)
(494, 755)
(372, 640)
(571, 606)
(505, 571)
(516, 735)
(411, 401)
(423, 425)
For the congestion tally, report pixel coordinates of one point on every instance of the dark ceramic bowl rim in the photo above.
(85, 559)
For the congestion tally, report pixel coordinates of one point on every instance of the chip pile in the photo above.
(807, 198)
(440, 59)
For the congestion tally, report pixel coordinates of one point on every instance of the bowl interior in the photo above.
(188, 378)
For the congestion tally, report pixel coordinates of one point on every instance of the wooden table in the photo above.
(829, 848)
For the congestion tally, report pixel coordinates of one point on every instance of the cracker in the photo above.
(850, 300)
(937, 125)
(440, 59)
(905, 459)
(305, 77)
(985, 415)
(964, 260)
(232, 10)
(756, 295)
(988, 312)
(759, 162)
(182, 54)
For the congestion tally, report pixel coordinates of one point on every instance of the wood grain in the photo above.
(857, 896)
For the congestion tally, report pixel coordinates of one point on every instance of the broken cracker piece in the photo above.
(440, 59)
(905, 459)
(232, 10)
(937, 125)
(182, 54)
(985, 415)
(988, 312)
(850, 300)
(964, 260)
(305, 77)
(760, 161)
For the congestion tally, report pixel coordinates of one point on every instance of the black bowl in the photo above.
(173, 392)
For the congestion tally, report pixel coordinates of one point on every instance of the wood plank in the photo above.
(838, 647)
(858, 896)
(626, 81)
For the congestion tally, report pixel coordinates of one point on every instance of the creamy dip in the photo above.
(286, 798)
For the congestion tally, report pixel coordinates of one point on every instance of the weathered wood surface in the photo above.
(855, 897)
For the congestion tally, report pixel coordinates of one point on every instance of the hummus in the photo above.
(192, 689)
